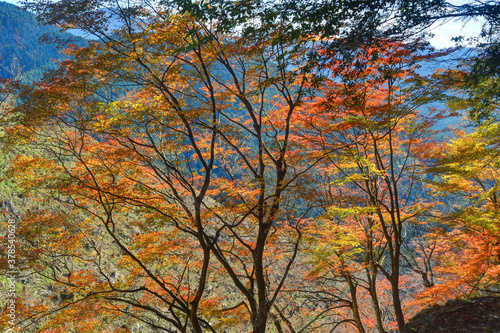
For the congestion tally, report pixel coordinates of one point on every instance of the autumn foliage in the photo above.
(182, 178)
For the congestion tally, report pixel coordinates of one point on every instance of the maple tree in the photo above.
(370, 192)
(167, 148)
(466, 235)
(189, 171)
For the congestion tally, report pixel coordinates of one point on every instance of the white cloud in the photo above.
(443, 33)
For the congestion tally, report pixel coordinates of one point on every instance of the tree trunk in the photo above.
(259, 326)
(376, 304)
(398, 311)
(354, 304)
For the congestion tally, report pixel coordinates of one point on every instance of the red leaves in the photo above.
(182, 176)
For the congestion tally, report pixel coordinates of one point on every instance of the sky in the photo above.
(11, 1)
(442, 32)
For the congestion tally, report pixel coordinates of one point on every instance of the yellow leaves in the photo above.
(469, 166)
(343, 212)
(467, 171)
(333, 244)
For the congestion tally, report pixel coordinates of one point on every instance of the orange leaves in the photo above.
(172, 163)
(467, 264)
(34, 172)
(182, 171)
(163, 249)
(371, 133)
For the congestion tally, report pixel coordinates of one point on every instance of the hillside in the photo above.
(20, 50)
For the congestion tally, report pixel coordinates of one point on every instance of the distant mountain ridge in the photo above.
(21, 54)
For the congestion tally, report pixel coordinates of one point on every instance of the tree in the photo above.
(179, 165)
(480, 79)
(368, 124)
(465, 176)
(167, 147)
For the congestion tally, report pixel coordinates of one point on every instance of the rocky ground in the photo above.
(476, 315)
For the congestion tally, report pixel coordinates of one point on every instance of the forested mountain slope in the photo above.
(21, 54)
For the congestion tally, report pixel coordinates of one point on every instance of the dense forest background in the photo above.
(224, 166)
(22, 53)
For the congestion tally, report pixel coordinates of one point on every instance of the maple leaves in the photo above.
(369, 129)
(196, 180)
(170, 167)
(466, 238)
